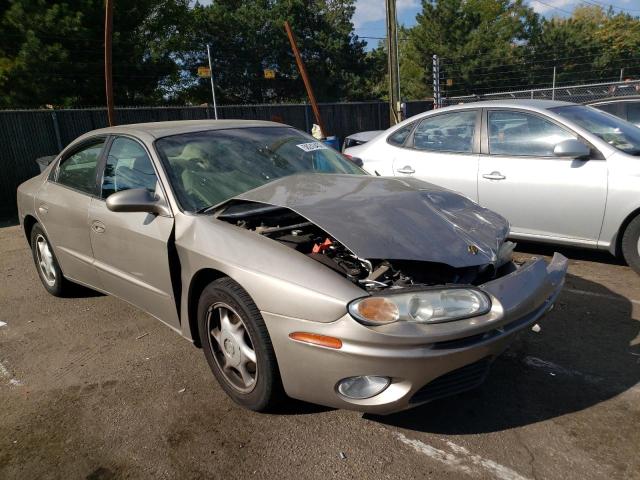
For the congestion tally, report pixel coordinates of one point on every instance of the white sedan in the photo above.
(559, 172)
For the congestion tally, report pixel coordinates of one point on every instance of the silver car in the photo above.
(559, 172)
(295, 271)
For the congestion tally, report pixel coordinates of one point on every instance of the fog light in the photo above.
(362, 387)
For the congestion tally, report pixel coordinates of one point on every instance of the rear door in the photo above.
(443, 149)
(542, 196)
(63, 208)
(131, 249)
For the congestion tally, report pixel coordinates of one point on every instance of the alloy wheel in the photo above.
(45, 260)
(232, 347)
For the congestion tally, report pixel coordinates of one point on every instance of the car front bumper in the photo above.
(424, 362)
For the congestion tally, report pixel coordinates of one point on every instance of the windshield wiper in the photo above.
(206, 209)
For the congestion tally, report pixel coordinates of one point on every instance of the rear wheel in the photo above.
(237, 346)
(631, 244)
(46, 263)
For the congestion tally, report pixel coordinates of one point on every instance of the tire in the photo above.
(231, 328)
(47, 264)
(631, 244)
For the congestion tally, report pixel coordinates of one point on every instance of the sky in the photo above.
(369, 19)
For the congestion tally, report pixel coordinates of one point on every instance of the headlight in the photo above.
(424, 306)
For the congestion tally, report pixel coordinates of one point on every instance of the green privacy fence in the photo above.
(28, 134)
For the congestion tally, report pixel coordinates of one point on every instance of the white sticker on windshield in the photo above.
(312, 146)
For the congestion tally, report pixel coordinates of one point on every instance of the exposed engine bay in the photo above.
(295, 231)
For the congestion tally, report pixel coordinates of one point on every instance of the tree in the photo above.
(52, 52)
(247, 36)
(591, 45)
(481, 43)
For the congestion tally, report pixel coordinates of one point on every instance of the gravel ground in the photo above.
(92, 388)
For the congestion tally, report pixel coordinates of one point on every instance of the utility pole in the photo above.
(393, 63)
(436, 82)
(213, 90)
(108, 76)
(305, 78)
(553, 85)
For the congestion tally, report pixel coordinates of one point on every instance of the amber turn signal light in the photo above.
(315, 339)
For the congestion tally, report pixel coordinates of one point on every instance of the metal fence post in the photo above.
(56, 129)
(306, 118)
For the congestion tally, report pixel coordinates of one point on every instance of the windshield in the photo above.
(207, 168)
(616, 132)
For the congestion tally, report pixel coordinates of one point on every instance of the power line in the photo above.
(615, 7)
(553, 6)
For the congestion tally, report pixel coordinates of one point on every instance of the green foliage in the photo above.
(248, 36)
(472, 37)
(51, 53)
(499, 45)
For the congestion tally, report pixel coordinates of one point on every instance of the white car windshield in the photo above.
(206, 168)
(616, 132)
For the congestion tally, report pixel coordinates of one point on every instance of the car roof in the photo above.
(622, 98)
(515, 102)
(164, 129)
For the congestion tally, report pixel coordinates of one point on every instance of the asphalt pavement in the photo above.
(92, 388)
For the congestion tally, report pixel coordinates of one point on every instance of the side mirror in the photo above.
(571, 149)
(357, 160)
(137, 200)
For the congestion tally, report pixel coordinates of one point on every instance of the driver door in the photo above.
(131, 249)
(542, 196)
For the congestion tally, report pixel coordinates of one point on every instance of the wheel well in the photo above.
(28, 223)
(200, 280)
(621, 230)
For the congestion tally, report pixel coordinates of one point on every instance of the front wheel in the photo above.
(46, 263)
(237, 346)
(631, 244)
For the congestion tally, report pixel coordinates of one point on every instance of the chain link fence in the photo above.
(570, 93)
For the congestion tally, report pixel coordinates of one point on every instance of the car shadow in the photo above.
(80, 291)
(293, 407)
(8, 221)
(581, 357)
(574, 253)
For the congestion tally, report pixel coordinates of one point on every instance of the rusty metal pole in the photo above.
(108, 77)
(305, 79)
(393, 63)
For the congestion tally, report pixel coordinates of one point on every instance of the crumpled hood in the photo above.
(391, 218)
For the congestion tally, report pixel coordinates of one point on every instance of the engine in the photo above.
(296, 232)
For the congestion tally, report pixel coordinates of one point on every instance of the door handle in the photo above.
(43, 209)
(494, 176)
(406, 169)
(98, 226)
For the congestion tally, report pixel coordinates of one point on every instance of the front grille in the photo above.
(454, 382)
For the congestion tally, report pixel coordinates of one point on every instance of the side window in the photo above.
(612, 108)
(449, 132)
(523, 134)
(633, 113)
(398, 137)
(79, 169)
(128, 166)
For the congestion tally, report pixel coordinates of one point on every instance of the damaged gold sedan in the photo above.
(296, 272)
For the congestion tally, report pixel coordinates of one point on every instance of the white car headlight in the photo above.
(421, 306)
